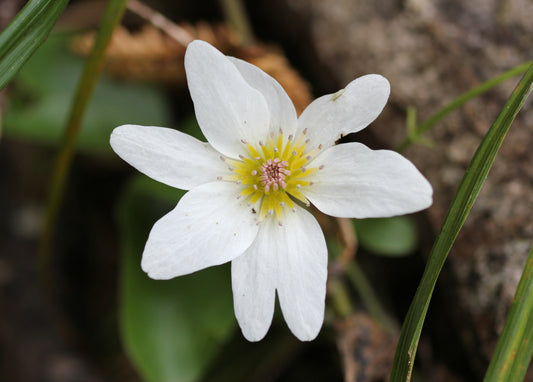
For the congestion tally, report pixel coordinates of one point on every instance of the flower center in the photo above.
(273, 173)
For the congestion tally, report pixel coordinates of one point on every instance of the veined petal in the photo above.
(253, 278)
(227, 108)
(357, 182)
(347, 111)
(302, 272)
(209, 226)
(282, 112)
(167, 155)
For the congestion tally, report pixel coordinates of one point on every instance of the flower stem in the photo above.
(236, 15)
(414, 134)
(368, 295)
(112, 16)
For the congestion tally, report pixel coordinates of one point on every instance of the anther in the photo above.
(219, 178)
(308, 157)
(321, 167)
(280, 130)
(320, 146)
(303, 169)
(260, 143)
(307, 141)
(305, 131)
(254, 173)
(281, 204)
(290, 137)
(294, 153)
(255, 187)
(244, 141)
(240, 156)
(222, 158)
(257, 158)
(280, 223)
(298, 186)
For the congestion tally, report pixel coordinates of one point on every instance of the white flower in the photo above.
(251, 183)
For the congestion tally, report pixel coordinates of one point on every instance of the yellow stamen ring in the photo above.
(274, 173)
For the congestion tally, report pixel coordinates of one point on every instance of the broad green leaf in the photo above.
(396, 236)
(25, 34)
(173, 329)
(461, 205)
(512, 356)
(40, 101)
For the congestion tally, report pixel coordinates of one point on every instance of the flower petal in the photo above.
(357, 182)
(347, 111)
(167, 155)
(302, 259)
(209, 226)
(282, 112)
(227, 108)
(253, 277)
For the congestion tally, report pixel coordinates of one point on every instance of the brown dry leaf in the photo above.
(366, 349)
(150, 54)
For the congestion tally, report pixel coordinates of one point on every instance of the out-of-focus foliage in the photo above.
(25, 34)
(396, 236)
(171, 329)
(43, 91)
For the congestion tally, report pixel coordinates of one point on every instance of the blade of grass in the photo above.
(462, 203)
(515, 346)
(111, 18)
(25, 33)
(414, 134)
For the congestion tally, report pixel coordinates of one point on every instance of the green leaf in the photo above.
(40, 101)
(25, 34)
(513, 353)
(173, 329)
(462, 203)
(396, 236)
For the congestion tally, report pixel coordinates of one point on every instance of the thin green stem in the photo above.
(236, 15)
(339, 297)
(415, 134)
(112, 16)
(369, 297)
(515, 346)
(462, 203)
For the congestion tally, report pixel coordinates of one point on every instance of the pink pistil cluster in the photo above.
(273, 174)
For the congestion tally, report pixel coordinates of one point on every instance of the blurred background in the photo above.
(101, 319)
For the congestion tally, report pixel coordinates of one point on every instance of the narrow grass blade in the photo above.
(515, 346)
(112, 16)
(462, 203)
(25, 33)
(414, 131)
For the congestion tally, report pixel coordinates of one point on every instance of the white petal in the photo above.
(282, 112)
(167, 155)
(254, 276)
(347, 111)
(227, 108)
(357, 182)
(302, 272)
(209, 226)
